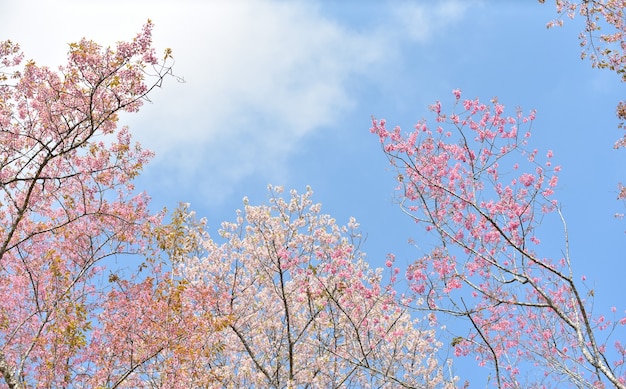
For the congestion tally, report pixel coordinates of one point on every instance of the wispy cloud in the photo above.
(260, 75)
(422, 20)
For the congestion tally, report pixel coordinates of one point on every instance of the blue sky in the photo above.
(282, 92)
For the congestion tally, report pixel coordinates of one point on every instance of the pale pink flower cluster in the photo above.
(302, 305)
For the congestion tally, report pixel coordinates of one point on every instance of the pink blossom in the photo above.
(483, 192)
(527, 179)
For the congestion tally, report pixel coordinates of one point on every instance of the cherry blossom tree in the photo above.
(472, 181)
(602, 38)
(67, 207)
(603, 41)
(301, 306)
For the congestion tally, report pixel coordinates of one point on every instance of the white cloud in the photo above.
(421, 20)
(260, 75)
